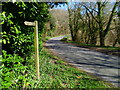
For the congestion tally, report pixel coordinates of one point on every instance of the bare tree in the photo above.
(103, 30)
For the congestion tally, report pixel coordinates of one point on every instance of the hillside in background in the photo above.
(58, 24)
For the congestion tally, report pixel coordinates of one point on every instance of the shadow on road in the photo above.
(101, 64)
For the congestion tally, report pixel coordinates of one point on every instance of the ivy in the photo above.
(12, 71)
(18, 38)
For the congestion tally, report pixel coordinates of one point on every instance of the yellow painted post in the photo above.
(36, 45)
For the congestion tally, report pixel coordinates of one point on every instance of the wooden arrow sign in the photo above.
(29, 23)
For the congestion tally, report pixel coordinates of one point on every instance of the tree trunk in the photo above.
(102, 39)
(72, 35)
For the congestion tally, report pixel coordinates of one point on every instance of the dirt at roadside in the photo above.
(102, 50)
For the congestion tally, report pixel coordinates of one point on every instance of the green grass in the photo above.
(55, 73)
(89, 45)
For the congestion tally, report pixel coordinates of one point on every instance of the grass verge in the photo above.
(67, 39)
(56, 73)
(89, 45)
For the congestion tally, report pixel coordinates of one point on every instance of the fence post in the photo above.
(36, 45)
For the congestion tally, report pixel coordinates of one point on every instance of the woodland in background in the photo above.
(94, 23)
(58, 23)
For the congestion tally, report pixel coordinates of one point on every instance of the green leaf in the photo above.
(3, 13)
(4, 41)
(20, 12)
(2, 22)
(7, 78)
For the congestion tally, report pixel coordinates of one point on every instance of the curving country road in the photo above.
(100, 64)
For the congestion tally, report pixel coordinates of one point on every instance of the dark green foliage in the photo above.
(18, 38)
(13, 71)
(14, 74)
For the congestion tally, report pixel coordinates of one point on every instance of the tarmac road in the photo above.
(100, 64)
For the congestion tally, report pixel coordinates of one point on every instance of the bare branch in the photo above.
(110, 18)
(91, 13)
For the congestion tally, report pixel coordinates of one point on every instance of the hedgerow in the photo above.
(17, 41)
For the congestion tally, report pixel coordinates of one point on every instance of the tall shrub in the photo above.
(18, 38)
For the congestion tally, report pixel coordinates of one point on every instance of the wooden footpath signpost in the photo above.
(36, 45)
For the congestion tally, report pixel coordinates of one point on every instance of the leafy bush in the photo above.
(16, 37)
(14, 73)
